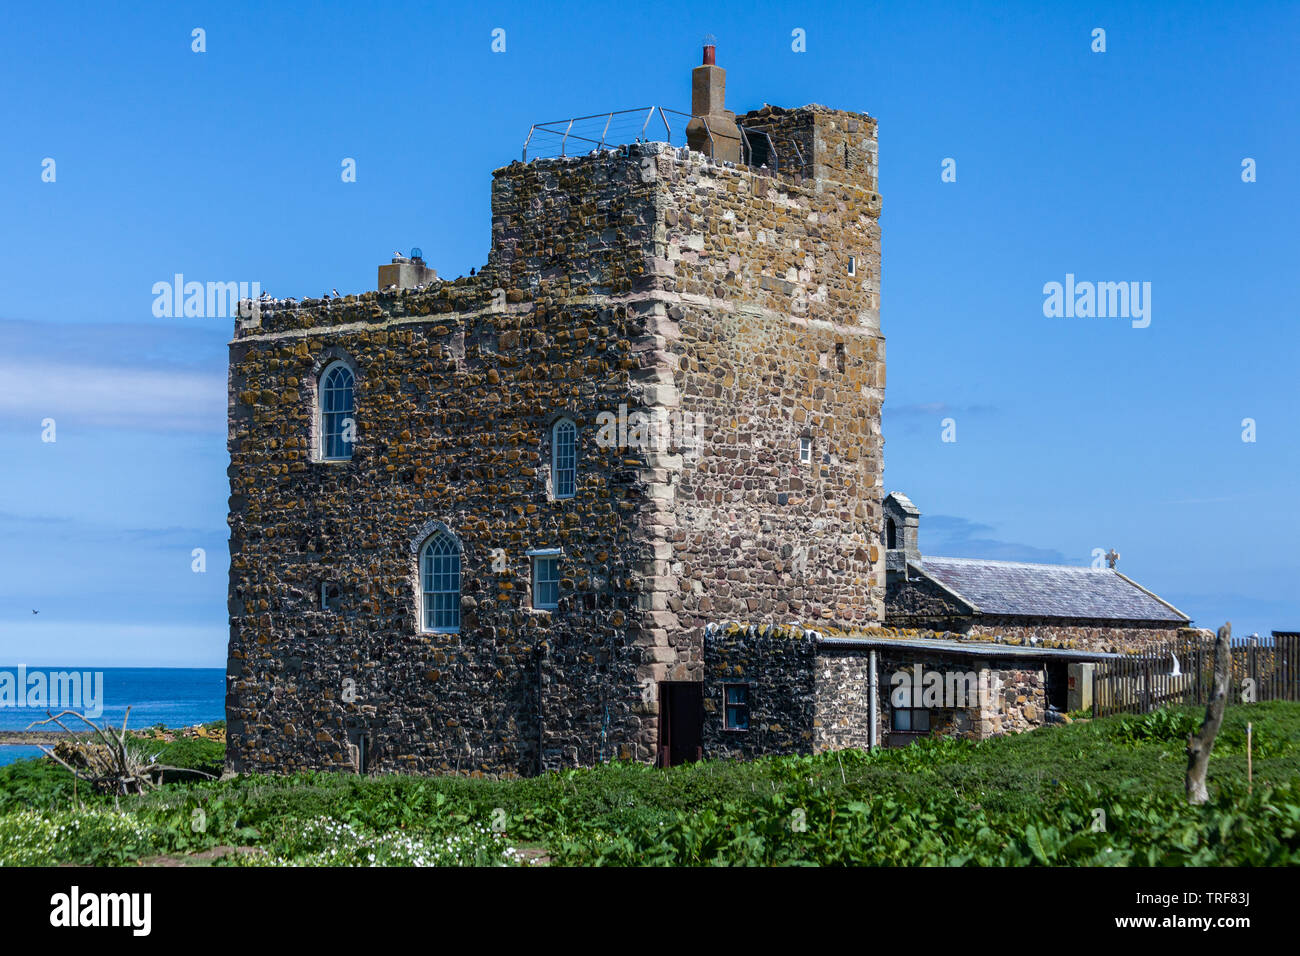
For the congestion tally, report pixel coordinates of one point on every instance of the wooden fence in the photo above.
(1182, 672)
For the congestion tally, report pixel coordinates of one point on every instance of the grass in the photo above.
(1100, 792)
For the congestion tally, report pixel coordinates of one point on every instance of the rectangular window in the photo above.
(911, 719)
(736, 706)
(564, 478)
(329, 596)
(546, 580)
(805, 450)
(853, 265)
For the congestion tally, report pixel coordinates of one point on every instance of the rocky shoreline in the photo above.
(48, 738)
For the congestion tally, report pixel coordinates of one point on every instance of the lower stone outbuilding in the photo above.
(788, 689)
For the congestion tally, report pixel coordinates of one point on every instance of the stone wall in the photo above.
(778, 665)
(1105, 636)
(921, 602)
(647, 281)
(771, 343)
(818, 693)
(457, 386)
(843, 682)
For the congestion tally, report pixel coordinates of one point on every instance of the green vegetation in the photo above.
(1037, 798)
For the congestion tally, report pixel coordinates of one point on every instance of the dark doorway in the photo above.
(681, 723)
(760, 153)
(1058, 685)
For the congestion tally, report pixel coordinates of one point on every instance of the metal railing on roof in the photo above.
(579, 135)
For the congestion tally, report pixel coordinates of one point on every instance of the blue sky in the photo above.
(1072, 434)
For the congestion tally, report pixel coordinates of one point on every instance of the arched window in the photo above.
(564, 458)
(337, 398)
(440, 583)
(891, 534)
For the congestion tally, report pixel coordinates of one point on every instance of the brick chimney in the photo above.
(405, 272)
(712, 130)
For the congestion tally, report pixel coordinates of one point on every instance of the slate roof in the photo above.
(1048, 590)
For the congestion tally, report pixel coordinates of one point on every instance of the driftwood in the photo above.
(1201, 743)
(105, 760)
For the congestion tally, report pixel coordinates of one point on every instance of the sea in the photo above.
(173, 696)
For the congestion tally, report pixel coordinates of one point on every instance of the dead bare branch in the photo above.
(1201, 743)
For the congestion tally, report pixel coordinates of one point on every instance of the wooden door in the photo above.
(681, 722)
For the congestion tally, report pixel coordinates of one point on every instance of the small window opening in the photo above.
(915, 720)
(853, 265)
(805, 450)
(736, 706)
(329, 596)
(359, 749)
(839, 356)
(891, 534)
(546, 581)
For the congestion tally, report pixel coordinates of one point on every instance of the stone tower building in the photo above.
(482, 524)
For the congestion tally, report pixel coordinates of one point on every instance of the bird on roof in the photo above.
(336, 294)
(471, 270)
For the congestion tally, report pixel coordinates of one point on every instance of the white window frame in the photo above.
(560, 457)
(537, 558)
(853, 265)
(324, 413)
(805, 449)
(441, 581)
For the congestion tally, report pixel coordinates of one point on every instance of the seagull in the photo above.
(34, 611)
(397, 255)
(1177, 671)
(336, 294)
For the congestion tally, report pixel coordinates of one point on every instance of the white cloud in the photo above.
(112, 396)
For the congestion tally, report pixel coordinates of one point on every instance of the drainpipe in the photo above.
(541, 709)
(872, 717)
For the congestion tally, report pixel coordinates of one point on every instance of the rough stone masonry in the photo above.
(647, 279)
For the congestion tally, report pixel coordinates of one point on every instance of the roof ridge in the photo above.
(1153, 594)
(1023, 564)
